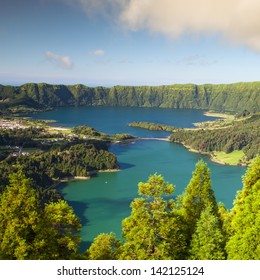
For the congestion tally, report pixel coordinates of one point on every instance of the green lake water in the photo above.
(102, 202)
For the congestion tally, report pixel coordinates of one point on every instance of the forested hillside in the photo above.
(231, 97)
(241, 134)
(47, 156)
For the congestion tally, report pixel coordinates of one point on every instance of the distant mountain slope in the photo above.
(224, 97)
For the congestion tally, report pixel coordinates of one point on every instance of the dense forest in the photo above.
(47, 158)
(190, 226)
(242, 134)
(224, 97)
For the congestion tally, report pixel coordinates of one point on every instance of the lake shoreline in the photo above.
(218, 115)
(211, 155)
(103, 200)
(91, 173)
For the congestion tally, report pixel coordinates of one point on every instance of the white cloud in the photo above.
(235, 20)
(62, 61)
(98, 52)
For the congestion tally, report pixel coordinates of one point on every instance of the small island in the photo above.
(153, 126)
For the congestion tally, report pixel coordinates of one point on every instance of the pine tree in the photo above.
(153, 230)
(19, 217)
(29, 232)
(208, 241)
(197, 197)
(104, 247)
(57, 232)
(244, 242)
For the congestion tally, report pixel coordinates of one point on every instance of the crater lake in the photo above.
(104, 201)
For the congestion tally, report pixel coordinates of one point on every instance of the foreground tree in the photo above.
(197, 197)
(208, 241)
(19, 217)
(57, 233)
(29, 232)
(104, 247)
(153, 230)
(244, 241)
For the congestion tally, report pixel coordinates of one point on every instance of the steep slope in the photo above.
(231, 97)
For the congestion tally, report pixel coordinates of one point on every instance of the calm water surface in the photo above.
(116, 119)
(104, 201)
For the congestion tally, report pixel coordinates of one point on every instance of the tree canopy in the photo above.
(244, 241)
(160, 226)
(153, 230)
(29, 232)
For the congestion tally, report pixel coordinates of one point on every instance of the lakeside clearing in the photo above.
(233, 158)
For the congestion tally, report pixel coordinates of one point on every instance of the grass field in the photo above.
(232, 158)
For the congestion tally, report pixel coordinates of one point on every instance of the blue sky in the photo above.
(129, 42)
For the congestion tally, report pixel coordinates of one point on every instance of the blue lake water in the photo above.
(104, 201)
(116, 119)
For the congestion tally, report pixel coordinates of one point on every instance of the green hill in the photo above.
(222, 98)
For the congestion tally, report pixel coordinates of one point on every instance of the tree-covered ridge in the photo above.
(236, 135)
(231, 97)
(47, 169)
(87, 132)
(48, 155)
(153, 126)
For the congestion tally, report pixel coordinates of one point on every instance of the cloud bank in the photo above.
(237, 21)
(62, 61)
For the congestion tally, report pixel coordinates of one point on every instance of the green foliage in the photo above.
(233, 97)
(29, 232)
(86, 130)
(57, 233)
(251, 177)
(153, 230)
(244, 241)
(155, 187)
(208, 241)
(197, 197)
(18, 218)
(104, 247)
(49, 167)
(90, 132)
(225, 220)
(122, 137)
(239, 135)
(153, 126)
(20, 137)
(158, 228)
